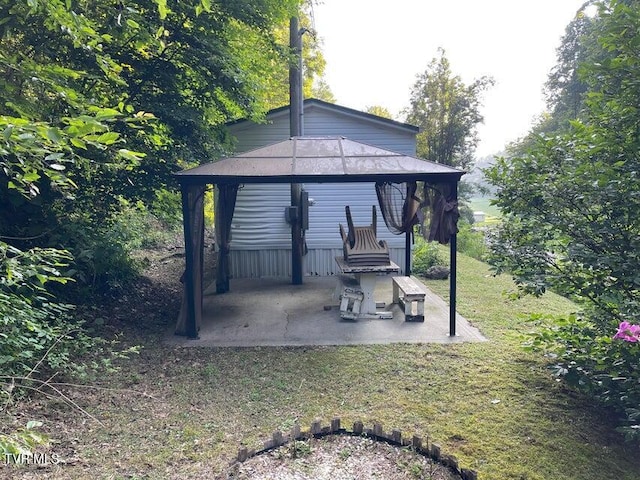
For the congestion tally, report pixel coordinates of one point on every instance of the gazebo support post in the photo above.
(296, 237)
(452, 287)
(407, 252)
(453, 247)
(191, 262)
(407, 238)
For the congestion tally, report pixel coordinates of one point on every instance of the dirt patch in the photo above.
(340, 457)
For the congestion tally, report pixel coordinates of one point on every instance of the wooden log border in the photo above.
(419, 445)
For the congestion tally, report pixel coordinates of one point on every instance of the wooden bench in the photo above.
(412, 291)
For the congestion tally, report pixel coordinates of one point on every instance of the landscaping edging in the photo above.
(395, 438)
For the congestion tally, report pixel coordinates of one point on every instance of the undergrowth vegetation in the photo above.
(588, 357)
(470, 241)
(425, 256)
(102, 254)
(39, 336)
(21, 442)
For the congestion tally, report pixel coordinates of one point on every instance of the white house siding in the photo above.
(261, 238)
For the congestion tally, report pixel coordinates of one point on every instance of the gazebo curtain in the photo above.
(225, 204)
(400, 208)
(399, 205)
(442, 200)
(193, 216)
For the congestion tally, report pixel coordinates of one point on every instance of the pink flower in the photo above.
(628, 332)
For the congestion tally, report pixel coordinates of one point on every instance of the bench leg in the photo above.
(356, 305)
(368, 287)
(344, 303)
(420, 311)
(408, 313)
(396, 292)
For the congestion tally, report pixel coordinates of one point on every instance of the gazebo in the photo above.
(301, 160)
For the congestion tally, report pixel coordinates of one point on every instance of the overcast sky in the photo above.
(375, 49)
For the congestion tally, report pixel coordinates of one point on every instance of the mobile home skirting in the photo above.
(277, 263)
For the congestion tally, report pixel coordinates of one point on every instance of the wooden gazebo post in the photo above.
(192, 217)
(189, 256)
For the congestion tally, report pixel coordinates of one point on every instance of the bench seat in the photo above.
(412, 292)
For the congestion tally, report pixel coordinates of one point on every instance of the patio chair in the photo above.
(360, 245)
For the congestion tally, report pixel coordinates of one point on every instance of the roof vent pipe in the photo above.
(296, 109)
(296, 130)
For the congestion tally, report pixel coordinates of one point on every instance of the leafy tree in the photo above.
(572, 196)
(565, 90)
(570, 204)
(379, 111)
(313, 65)
(113, 97)
(99, 103)
(448, 112)
(321, 90)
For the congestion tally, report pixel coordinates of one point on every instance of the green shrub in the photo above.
(137, 227)
(36, 332)
(39, 337)
(425, 256)
(22, 441)
(101, 256)
(471, 242)
(30, 320)
(102, 253)
(167, 208)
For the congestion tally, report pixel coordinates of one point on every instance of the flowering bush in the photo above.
(628, 332)
(588, 357)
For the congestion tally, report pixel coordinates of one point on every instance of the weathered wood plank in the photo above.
(243, 454)
(316, 427)
(335, 424)
(358, 427)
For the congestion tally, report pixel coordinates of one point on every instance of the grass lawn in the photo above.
(483, 204)
(183, 412)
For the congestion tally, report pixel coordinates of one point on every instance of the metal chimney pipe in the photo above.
(295, 79)
(295, 127)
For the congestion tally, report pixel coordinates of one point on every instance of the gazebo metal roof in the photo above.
(318, 160)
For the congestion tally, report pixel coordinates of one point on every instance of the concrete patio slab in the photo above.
(272, 312)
